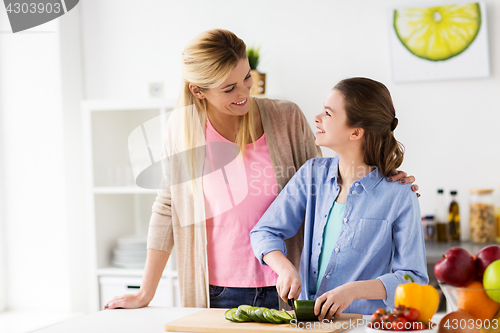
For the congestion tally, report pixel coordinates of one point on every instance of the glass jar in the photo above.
(429, 228)
(483, 228)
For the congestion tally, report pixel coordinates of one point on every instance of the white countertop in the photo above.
(145, 320)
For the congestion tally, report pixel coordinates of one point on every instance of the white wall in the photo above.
(72, 94)
(40, 88)
(450, 128)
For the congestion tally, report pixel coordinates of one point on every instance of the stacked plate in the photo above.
(130, 253)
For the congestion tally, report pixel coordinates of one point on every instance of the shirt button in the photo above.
(353, 192)
(345, 219)
(328, 276)
(314, 272)
(326, 215)
(337, 250)
(319, 244)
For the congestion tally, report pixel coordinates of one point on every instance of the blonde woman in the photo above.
(215, 194)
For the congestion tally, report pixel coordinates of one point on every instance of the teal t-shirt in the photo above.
(330, 235)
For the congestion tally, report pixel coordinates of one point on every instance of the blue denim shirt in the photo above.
(381, 235)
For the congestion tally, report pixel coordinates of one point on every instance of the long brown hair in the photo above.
(368, 104)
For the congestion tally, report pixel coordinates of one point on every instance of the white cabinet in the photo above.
(111, 286)
(115, 206)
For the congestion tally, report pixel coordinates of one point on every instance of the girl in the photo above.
(362, 233)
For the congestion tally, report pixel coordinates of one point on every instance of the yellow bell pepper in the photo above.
(423, 298)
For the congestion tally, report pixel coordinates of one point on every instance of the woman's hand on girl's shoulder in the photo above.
(403, 178)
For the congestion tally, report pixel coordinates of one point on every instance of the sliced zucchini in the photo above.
(270, 318)
(240, 317)
(260, 313)
(229, 314)
(251, 313)
(244, 309)
(282, 316)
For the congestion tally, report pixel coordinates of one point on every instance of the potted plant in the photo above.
(259, 79)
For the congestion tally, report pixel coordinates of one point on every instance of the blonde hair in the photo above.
(207, 61)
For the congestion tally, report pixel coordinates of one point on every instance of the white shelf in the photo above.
(115, 210)
(122, 190)
(139, 272)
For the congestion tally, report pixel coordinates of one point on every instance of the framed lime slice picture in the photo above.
(438, 33)
(443, 41)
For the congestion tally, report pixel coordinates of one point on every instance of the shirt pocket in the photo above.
(370, 235)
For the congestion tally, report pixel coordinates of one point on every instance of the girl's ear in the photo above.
(196, 91)
(357, 134)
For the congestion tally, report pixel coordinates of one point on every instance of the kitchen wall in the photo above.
(449, 128)
(41, 219)
(32, 162)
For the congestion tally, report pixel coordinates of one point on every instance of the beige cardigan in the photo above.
(179, 213)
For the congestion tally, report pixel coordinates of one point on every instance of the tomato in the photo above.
(380, 312)
(399, 310)
(388, 317)
(399, 324)
(411, 314)
(377, 315)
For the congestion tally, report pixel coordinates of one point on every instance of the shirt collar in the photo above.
(333, 171)
(371, 180)
(368, 182)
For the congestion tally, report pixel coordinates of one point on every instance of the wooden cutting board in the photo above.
(212, 320)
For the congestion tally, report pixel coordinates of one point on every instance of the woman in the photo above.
(362, 233)
(205, 213)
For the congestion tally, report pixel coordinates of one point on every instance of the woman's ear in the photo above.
(357, 134)
(196, 91)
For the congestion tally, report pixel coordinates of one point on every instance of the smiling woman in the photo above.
(208, 215)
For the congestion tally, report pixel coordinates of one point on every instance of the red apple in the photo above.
(485, 257)
(456, 268)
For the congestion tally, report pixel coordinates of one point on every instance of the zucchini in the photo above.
(270, 318)
(229, 314)
(304, 310)
(246, 313)
(281, 316)
(244, 309)
(260, 314)
(240, 317)
(251, 313)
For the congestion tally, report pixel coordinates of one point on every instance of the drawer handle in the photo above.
(134, 287)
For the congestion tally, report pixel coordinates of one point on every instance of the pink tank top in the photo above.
(237, 193)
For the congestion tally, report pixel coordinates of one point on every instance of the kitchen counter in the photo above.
(145, 320)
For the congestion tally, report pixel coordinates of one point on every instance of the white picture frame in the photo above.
(473, 62)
